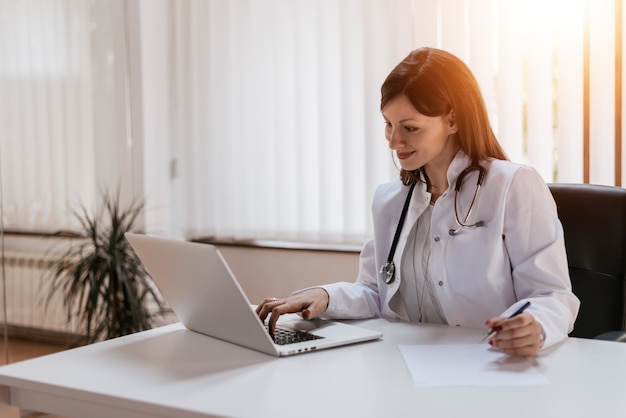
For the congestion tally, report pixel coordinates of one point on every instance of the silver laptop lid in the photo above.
(201, 289)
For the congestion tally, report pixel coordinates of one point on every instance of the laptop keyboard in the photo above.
(283, 336)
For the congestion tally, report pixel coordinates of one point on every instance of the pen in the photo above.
(517, 312)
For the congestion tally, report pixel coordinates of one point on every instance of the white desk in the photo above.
(173, 372)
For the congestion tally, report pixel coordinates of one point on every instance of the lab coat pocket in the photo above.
(477, 263)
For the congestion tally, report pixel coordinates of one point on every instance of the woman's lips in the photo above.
(404, 155)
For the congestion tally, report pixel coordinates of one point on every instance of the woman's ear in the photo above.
(451, 120)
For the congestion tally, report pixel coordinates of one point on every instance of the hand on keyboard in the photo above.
(311, 303)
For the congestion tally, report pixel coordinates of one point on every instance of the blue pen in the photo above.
(517, 312)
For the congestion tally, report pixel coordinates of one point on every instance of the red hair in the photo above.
(437, 83)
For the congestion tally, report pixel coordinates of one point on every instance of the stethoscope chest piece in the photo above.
(388, 272)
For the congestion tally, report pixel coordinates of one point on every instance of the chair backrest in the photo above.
(594, 223)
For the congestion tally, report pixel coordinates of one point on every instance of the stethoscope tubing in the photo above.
(388, 269)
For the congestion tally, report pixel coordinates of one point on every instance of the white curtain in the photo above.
(63, 109)
(271, 119)
(260, 119)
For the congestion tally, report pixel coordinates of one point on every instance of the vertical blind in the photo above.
(62, 109)
(260, 119)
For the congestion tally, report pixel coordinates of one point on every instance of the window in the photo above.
(62, 109)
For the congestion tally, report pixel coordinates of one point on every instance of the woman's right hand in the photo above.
(311, 303)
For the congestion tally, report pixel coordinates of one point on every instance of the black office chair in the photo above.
(594, 222)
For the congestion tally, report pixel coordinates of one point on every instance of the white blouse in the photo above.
(417, 294)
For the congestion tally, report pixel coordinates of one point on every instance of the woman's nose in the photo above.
(394, 139)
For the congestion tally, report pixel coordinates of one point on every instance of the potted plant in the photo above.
(104, 286)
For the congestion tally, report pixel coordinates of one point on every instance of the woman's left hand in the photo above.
(519, 336)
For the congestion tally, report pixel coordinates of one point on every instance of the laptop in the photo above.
(203, 292)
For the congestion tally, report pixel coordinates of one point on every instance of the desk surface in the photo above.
(173, 372)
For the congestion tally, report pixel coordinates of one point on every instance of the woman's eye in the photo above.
(410, 129)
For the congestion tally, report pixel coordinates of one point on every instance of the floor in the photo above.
(20, 349)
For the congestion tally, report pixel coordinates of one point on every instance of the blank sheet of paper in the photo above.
(468, 365)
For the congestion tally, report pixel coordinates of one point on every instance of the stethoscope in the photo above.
(388, 270)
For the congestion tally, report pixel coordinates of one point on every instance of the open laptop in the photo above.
(198, 285)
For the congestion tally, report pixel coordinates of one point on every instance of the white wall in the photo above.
(267, 272)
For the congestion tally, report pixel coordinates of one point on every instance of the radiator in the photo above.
(27, 293)
(28, 309)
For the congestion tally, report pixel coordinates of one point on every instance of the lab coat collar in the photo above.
(459, 163)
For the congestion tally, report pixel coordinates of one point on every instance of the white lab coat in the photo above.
(482, 272)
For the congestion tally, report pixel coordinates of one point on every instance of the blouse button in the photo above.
(437, 239)
(440, 283)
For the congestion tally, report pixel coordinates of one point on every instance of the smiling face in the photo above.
(432, 84)
(417, 139)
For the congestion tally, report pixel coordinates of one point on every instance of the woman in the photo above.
(479, 236)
